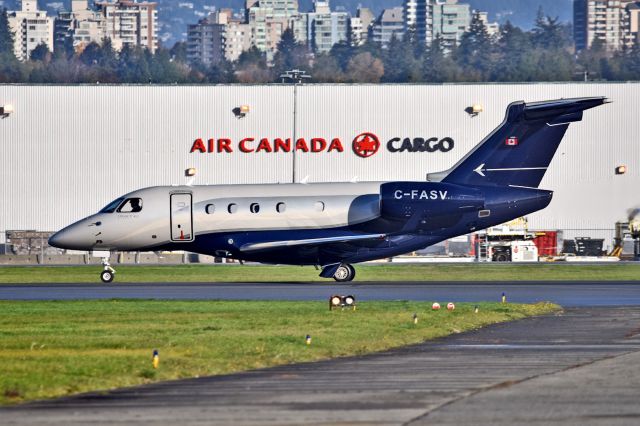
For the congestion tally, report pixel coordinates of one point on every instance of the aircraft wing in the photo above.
(271, 245)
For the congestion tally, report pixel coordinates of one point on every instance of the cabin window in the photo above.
(254, 207)
(210, 208)
(232, 208)
(281, 207)
(131, 205)
(319, 206)
(112, 206)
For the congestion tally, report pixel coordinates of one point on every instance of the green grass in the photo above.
(51, 349)
(377, 272)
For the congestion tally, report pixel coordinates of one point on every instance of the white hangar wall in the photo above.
(66, 151)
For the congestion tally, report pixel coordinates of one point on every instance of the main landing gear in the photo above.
(108, 273)
(344, 273)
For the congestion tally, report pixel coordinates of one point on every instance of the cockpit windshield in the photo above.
(112, 206)
(131, 205)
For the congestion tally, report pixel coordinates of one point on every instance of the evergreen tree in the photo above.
(290, 54)
(222, 72)
(6, 36)
(475, 53)
(515, 62)
(591, 61)
(400, 64)
(437, 65)
(342, 52)
(549, 33)
(41, 53)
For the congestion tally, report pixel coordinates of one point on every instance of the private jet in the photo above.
(336, 225)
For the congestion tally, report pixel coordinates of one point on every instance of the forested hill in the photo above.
(174, 15)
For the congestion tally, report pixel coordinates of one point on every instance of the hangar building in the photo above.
(66, 151)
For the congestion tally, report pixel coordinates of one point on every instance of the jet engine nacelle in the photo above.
(402, 200)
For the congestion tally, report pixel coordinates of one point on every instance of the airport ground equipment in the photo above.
(510, 242)
(335, 225)
(627, 239)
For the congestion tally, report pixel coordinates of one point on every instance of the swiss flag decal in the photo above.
(511, 141)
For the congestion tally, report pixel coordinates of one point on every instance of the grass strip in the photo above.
(376, 272)
(57, 348)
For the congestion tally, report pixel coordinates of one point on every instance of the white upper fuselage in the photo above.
(222, 208)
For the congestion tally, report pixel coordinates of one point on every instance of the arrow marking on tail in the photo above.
(480, 169)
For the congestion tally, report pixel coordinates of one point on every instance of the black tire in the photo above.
(106, 276)
(502, 257)
(353, 272)
(344, 273)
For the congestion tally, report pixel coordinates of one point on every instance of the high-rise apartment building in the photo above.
(237, 39)
(390, 24)
(450, 21)
(361, 25)
(129, 23)
(30, 27)
(418, 19)
(493, 28)
(608, 21)
(268, 20)
(326, 28)
(79, 27)
(205, 40)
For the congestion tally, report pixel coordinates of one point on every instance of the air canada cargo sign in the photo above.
(364, 145)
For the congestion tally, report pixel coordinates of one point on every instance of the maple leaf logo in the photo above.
(365, 145)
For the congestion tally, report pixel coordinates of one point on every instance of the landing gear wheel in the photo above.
(106, 276)
(344, 273)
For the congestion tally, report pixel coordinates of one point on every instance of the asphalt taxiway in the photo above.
(574, 368)
(568, 293)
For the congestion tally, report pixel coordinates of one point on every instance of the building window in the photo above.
(232, 208)
(254, 207)
(210, 208)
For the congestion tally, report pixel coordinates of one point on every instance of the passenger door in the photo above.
(181, 217)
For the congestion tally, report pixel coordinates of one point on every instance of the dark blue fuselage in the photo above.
(413, 215)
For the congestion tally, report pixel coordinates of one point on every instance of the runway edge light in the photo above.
(156, 359)
(308, 339)
(504, 297)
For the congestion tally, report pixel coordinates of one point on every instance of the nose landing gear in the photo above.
(108, 272)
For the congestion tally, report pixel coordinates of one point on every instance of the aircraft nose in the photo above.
(60, 239)
(73, 237)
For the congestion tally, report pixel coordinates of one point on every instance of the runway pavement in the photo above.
(576, 368)
(568, 294)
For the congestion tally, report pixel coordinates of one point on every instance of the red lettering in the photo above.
(336, 144)
(264, 145)
(211, 145)
(243, 147)
(198, 145)
(318, 144)
(284, 145)
(301, 145)
(224, 144)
